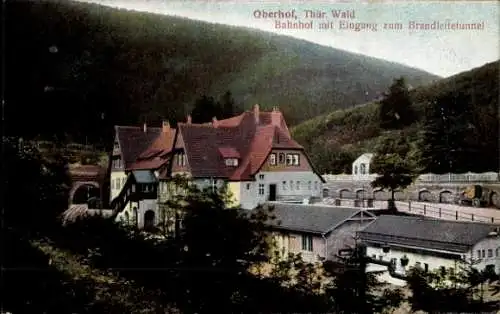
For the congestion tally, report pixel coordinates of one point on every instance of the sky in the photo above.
(441, 52)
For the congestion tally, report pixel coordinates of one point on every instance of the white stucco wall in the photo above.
(142, 206)
(363, 159)
(433, 262)
(250, 197)
(114, 191)
(490, 243)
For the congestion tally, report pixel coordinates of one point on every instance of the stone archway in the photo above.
(344, 193)
(446, 197)
(149, 219)
(495, 199)
(361, 194)
(82, 192)
(424, 196)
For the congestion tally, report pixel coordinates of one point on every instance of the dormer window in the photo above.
(231, 162)
(272, 159)
(292, 159)
(231, 156)
(281, 158)
(116, 146)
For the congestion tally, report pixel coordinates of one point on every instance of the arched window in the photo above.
(362, 169)
(127, 217)
(356, 169)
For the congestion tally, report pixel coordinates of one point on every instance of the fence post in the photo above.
(409, 206)
(439, 212)
(472, 216)
(424, 209)
(456, 215)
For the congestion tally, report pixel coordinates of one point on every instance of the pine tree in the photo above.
(448, 137)
(396, 109)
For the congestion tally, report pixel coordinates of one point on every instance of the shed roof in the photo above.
(425, 232)
(144, 176)
(312, 218)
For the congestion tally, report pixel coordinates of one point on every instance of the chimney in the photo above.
(256, 113)
(145, 127)
(276, 117)
(188, 120)
(215, 122)
(165, 126)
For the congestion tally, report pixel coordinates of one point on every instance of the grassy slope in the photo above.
(132, 65)
(356, 130)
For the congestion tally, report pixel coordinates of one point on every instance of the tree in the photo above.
(396, 109)
(395, 165)
(449, 144)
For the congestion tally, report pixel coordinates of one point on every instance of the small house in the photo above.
(431, 244)
(361, 166)
(316, 231)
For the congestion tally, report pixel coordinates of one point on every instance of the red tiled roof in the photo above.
(249, 137)
(239, 137)
(148, 164)
(134, 141)
(145, 150)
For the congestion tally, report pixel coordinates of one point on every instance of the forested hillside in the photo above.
(455, 123)
(80, 68)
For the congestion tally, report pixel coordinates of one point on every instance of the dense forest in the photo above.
(452, 125)
(80, 68)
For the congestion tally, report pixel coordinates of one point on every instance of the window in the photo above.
(291, 185)
(248, 186)
(261, 177)
(284, 185)
(426, 267)
(307, 243)
(231, 162)
(296, 160)
(497, 252)
(281, 158)
(490, 253)
(483, 253)
(116, 146)
(133, 188)
(380, 257)
(355, 169)
(298, 185)
(289, 159)
(394, 261)
(146, 187)
(112, 184)
(478, 253)
(374, 256)
(316, 185)
(181, 159)
(117, 184)
(272, 159)
(309, 186)
(261, 189)
(362, 169)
